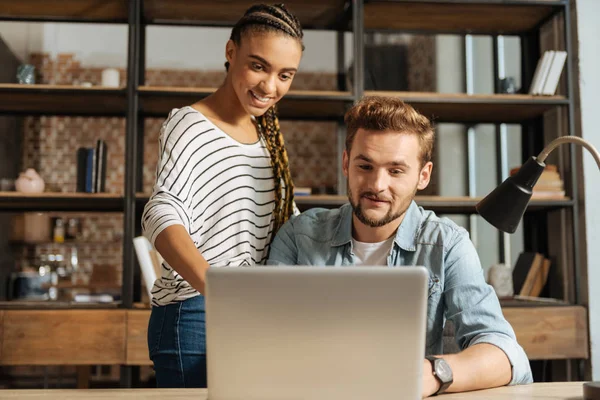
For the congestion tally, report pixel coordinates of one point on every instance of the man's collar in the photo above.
(405, 235)
(343, 232)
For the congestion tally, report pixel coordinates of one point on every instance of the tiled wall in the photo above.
(50, 143)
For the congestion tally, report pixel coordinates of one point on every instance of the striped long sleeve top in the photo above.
(219, 189)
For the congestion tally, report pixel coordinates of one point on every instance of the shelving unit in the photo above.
(89, 11)
(299, 104)
(103, 202)
(314, 14)
(477, 108)
(455, 16)
(137, 101)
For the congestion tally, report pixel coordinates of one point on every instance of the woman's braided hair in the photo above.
(272, 18)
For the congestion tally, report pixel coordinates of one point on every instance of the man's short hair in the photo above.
(378, 113)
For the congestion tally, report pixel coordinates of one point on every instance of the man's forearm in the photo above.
(477, 367)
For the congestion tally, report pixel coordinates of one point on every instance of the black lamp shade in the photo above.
(504, 206)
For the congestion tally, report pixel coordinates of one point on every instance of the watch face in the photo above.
(442, 369)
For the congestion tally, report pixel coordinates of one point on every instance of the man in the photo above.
(387, 159)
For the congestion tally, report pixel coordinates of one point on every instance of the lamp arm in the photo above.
(568, 139)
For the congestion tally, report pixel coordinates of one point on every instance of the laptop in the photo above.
(315, 333)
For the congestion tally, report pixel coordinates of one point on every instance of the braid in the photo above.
(269, 128)
(273, 18)
(262, 17)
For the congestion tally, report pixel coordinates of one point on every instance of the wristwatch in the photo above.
(442, 372)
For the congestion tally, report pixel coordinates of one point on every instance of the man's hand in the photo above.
(430, 383)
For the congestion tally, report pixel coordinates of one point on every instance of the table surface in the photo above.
(556, 390)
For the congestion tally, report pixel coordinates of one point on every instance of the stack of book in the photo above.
(530, 274)
(91, 168)
(547, 73)
(549, 186)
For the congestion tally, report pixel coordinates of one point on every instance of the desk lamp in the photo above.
(504, 206)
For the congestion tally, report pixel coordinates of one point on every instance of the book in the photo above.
(551, 84)
(547, 73)
(541, 71)
(540, 279)
(521, 269)
(544, 72)
(100, 181)
(91, 168)
(549, 184)
(534, 270)
(90, 171)
(81, 169)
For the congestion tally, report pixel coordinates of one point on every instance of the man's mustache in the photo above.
(374, 196)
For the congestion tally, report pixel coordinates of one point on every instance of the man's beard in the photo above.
(386, 219)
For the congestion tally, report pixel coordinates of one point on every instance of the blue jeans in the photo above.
(177, 344)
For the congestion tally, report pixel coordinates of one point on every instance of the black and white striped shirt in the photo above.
(219, 189)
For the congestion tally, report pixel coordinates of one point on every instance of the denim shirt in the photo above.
(457, 287)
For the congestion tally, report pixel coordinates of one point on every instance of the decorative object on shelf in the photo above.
(500, 277)
(302, 191)
(26, 74)
(59, 230)
(30, 227)
(110, 77)
(72, 232)
(29, 285)
(504, 206)
(7, 185)
(29, 182)
(508, 85)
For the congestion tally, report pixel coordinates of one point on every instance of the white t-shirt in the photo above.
(371, 254)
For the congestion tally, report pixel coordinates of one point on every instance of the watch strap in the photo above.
(443, 385)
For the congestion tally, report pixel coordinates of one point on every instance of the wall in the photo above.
(588, 12)
(169, 47)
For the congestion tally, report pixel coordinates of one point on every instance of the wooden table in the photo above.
(562, 390)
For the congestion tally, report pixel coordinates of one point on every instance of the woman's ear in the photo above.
(230, 49)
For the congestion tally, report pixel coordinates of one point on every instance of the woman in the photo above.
(223, 187)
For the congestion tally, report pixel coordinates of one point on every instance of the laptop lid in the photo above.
(315, 333)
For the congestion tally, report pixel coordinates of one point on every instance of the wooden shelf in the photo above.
(62, 100)
(450, 16)
(313, 14)
(477, 108)
(297, 104)
(439, 204)
(101, 202)
(113, 11)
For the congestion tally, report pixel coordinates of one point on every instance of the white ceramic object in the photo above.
(29, 182)
(110, 77)
(500, 277)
